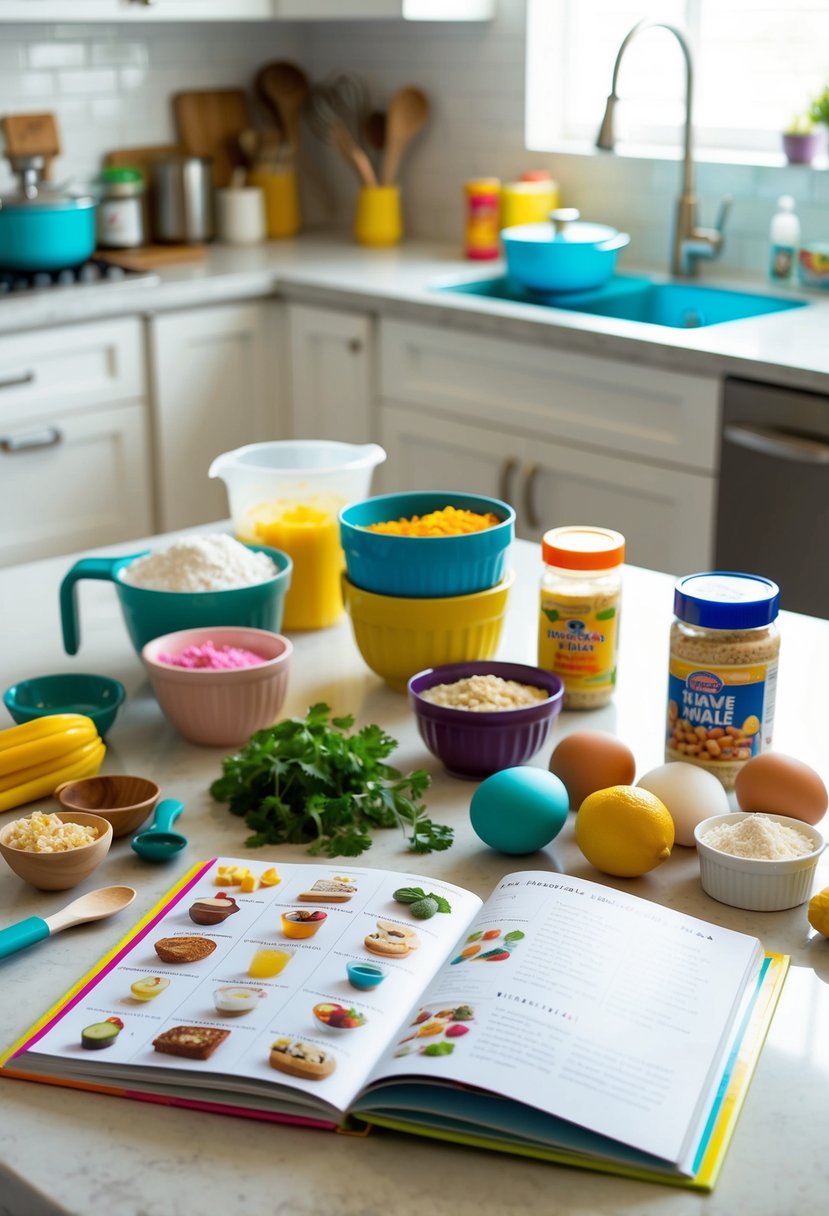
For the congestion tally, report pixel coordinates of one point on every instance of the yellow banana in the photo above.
(50, 748)
(41, 787)
(45, 768)
(40, 728)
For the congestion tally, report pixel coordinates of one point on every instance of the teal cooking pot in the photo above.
(562, 256)
(148, 614)
(45, 230)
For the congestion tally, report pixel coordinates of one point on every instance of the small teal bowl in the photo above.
(98, 697)
(424, 567)
(364, 975)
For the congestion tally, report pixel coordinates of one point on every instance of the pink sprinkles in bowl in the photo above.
(212, 658)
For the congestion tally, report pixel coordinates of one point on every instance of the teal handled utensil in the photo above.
(158, 843)
(95, 905)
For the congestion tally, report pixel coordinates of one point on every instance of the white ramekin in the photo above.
(757, 884)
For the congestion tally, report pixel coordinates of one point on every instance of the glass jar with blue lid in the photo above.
(722, 671)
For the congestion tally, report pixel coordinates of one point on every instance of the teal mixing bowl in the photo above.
(71, 692)
(149, 613)
(425, 567)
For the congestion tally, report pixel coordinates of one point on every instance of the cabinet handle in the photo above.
(505, 480)
(355, 346)
(25, 443)
(771, 442)
(529, 499)
(16, 381)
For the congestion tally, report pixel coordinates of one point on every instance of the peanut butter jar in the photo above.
(722, 678)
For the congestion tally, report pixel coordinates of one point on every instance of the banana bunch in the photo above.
(38, 756)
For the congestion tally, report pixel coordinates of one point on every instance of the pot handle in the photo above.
(614, 242)
(104, 568)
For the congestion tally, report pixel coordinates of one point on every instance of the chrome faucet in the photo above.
(689, 242)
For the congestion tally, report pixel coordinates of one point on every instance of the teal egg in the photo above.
(519, 810)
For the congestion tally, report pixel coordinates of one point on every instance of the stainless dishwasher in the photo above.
(773, 502)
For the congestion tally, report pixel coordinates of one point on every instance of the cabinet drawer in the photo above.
(90, 487)
(667, 417)
(74, 366)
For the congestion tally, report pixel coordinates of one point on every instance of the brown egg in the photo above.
(781, 785)
(591, 760)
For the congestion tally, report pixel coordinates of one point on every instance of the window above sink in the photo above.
(757, 66)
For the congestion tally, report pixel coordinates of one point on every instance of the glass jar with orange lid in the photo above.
(580, 602)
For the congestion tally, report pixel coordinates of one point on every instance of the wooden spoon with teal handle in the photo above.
(95, 905)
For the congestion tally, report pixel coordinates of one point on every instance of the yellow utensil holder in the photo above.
(282, 214)
(378, 220)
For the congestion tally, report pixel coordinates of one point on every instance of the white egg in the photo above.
(690, 794)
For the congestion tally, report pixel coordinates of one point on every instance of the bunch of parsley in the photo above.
(309, 781)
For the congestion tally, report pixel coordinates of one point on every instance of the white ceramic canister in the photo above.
(241, 215)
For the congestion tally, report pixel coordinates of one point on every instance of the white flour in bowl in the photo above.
(758, 837)
(200, 563)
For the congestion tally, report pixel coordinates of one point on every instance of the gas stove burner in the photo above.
(94, 271)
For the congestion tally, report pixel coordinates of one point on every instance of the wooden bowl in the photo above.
(125, 802)
(59, 871)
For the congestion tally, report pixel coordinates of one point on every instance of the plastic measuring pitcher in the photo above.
(288, 494)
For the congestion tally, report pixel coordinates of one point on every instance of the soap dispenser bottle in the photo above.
(784, 238)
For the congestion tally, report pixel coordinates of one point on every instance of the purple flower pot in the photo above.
(801, 149)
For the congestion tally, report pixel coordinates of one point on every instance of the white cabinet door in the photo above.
(409, 10)
(667, 516)
(137, 10)
(214, 388)
(331, 381)
(74, 481)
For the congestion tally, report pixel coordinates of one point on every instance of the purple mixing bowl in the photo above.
(473, 743)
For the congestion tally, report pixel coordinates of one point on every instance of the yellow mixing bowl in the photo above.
(398, 637)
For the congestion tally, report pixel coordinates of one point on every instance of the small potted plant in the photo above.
(800, 138)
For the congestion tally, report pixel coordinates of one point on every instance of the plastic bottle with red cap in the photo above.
(580, 604)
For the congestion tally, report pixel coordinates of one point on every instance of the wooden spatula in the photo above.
(32, 135)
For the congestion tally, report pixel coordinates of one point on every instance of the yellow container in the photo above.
(281, 192)
(398, 636)
(378, 220)
(527, 202)
(310, 534)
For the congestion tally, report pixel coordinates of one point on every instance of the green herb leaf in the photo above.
(316, 782)
(438, 1049)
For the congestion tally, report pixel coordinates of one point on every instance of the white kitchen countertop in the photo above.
(68, 1151)
(788, 348)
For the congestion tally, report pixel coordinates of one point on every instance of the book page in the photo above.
(586, 1003)
(226, 987)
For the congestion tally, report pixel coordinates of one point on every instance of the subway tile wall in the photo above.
(110, 87)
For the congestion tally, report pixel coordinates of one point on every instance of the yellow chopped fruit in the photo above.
(270, 878)
(249, 883)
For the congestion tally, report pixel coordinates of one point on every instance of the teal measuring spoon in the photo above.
(95, 905)
(157, 842)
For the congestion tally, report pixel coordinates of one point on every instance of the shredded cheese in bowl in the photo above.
(449, 521)
(41, 833)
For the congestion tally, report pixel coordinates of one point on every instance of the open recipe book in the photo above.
(559, 1019)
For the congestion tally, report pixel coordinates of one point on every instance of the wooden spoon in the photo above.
(284, 86)
(95, 905)
(407, 114)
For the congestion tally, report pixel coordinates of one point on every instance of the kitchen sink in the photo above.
(638, 298)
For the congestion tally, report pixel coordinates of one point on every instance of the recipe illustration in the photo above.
(310, 994)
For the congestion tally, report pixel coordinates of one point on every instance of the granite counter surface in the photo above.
(787, 348)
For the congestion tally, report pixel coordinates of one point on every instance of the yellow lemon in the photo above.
(624, 830)
(819, 912)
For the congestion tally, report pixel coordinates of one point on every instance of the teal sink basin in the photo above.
(636, 298)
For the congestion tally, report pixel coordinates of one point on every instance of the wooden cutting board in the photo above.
(32, 135)
(152, 257)
(209, 122)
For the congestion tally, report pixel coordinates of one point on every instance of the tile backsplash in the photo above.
(110, 86)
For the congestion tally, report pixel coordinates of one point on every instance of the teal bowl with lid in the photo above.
(425, 567)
